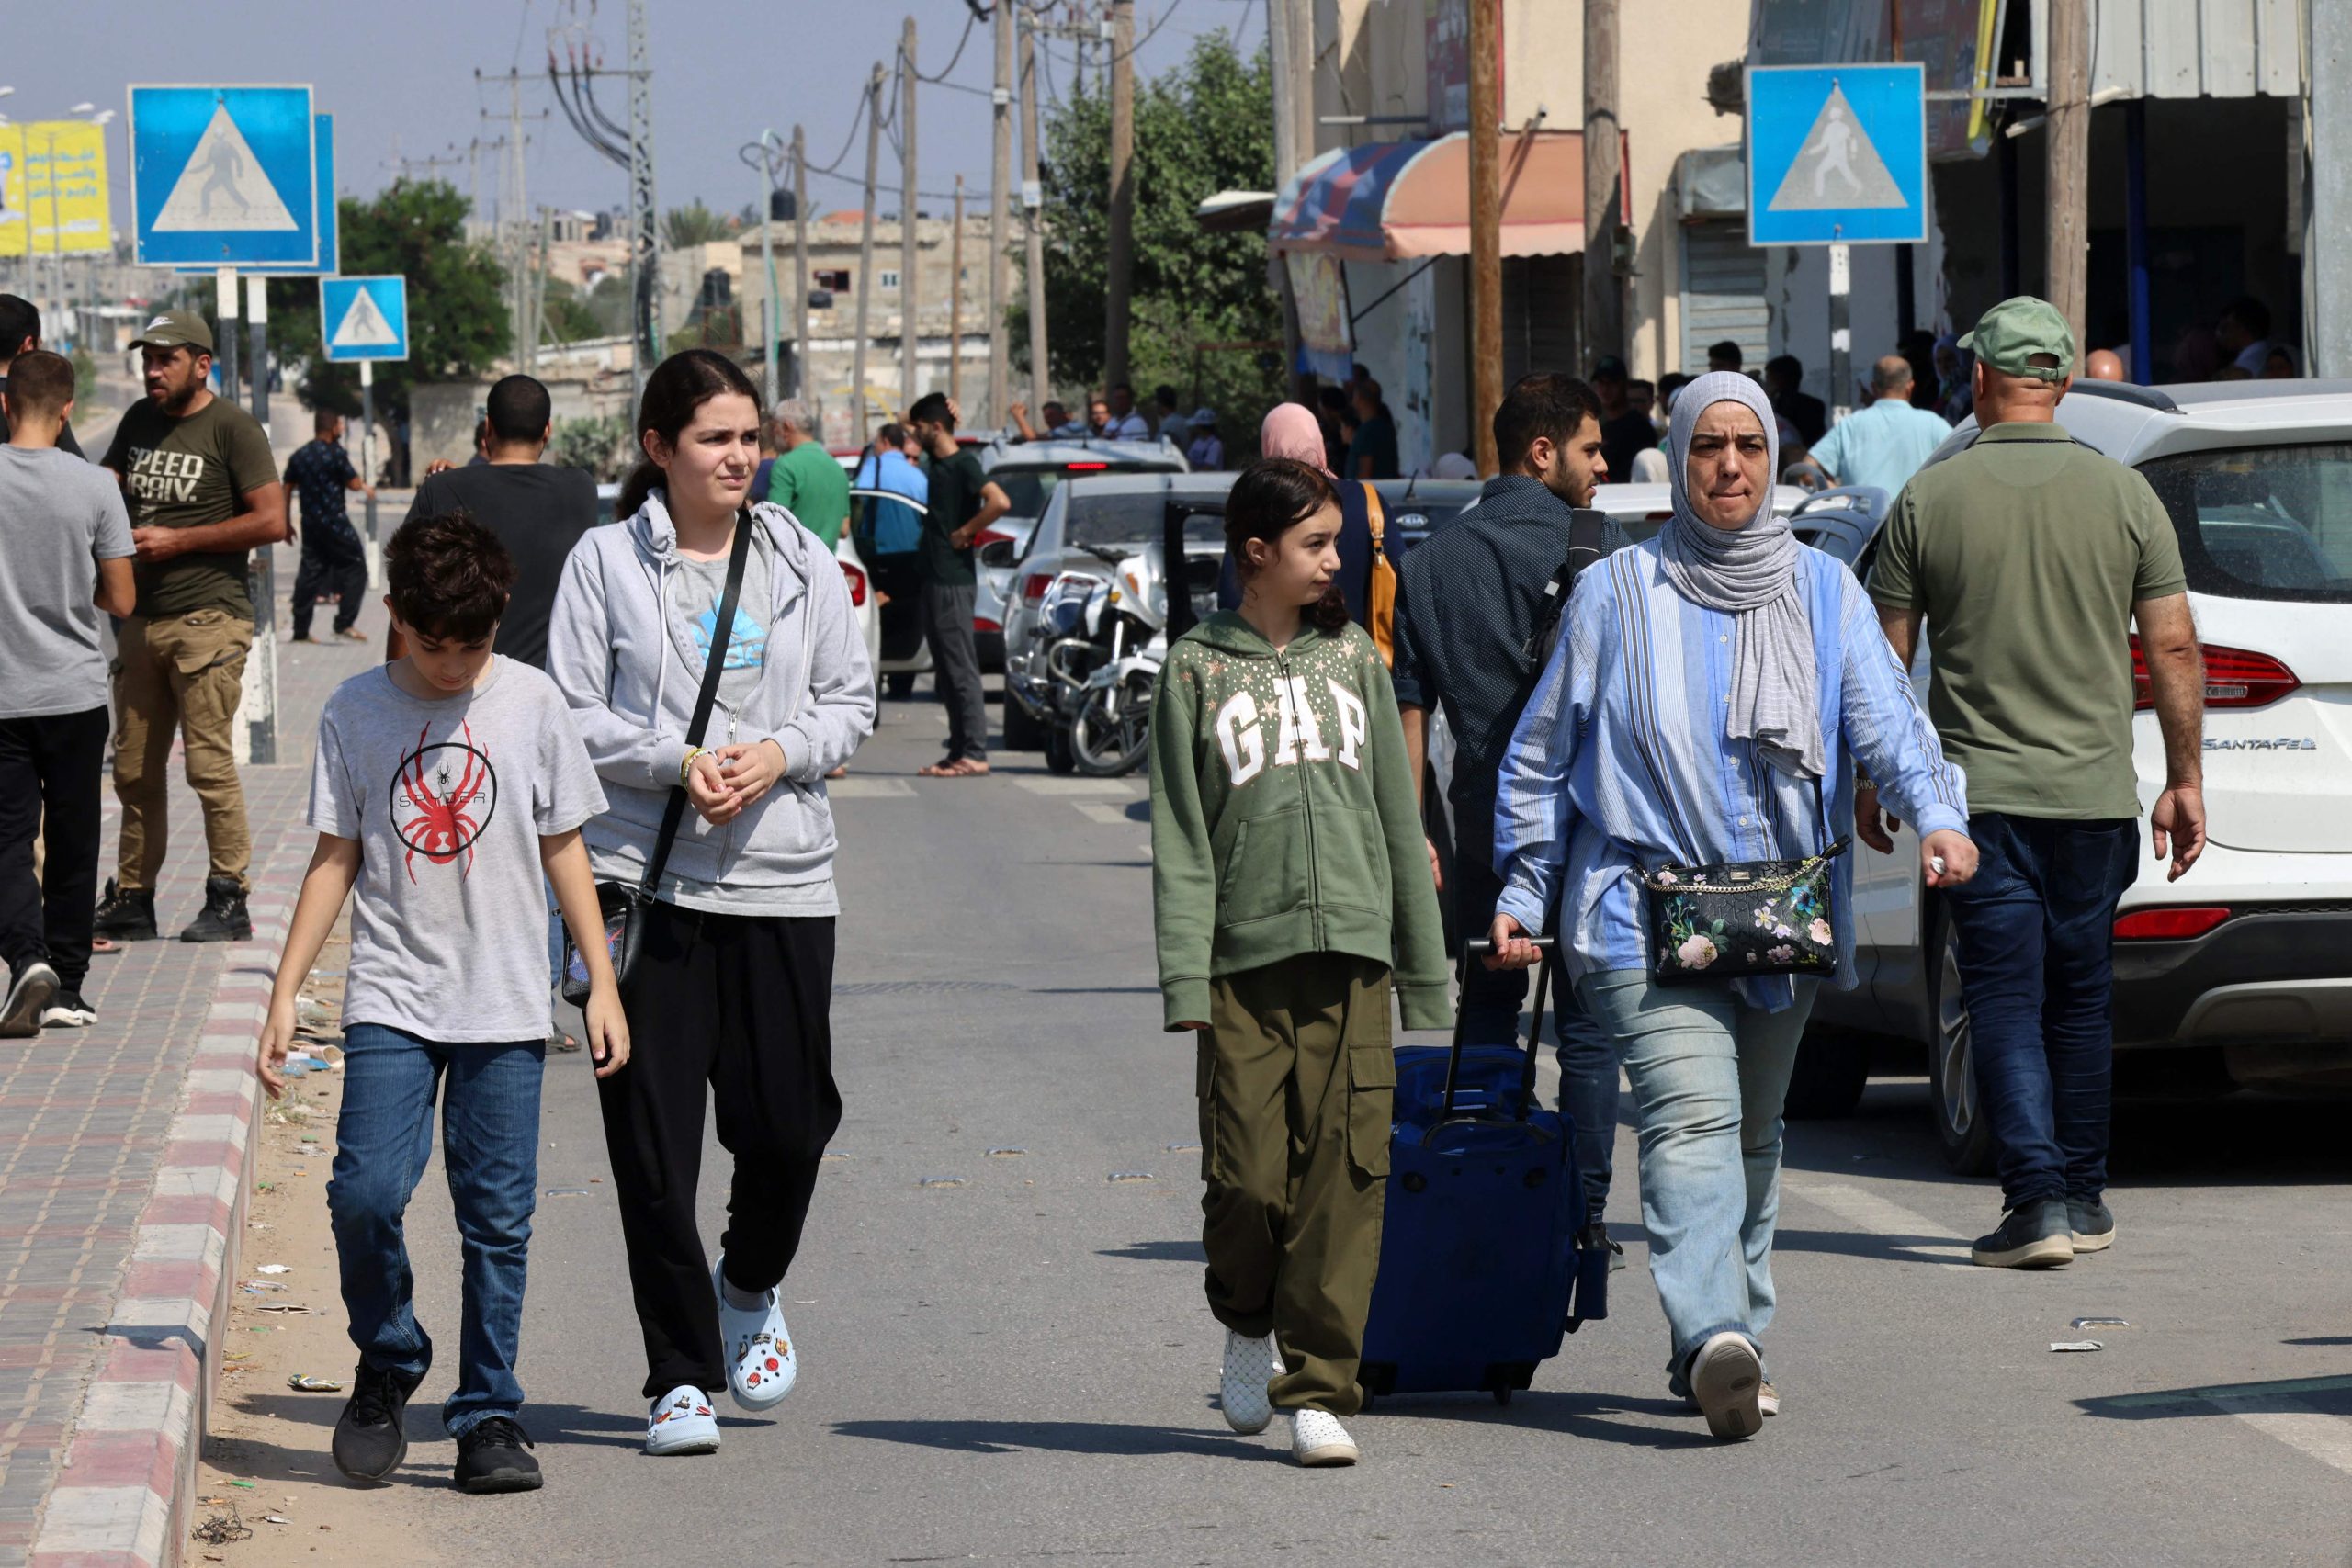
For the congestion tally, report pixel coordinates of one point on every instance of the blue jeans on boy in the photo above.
(1710, 1075)
(2037, 943)
(490, 1144)
(1492, 999)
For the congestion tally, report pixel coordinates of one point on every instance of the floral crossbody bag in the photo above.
(1740, 920)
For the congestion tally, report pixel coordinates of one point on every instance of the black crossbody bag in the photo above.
(1740, 920)
(624, 904)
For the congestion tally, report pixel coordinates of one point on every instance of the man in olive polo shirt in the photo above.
(2030, 558)
(203, 493)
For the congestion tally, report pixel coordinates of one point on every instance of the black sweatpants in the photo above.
(332, 567)
(732, 1007)
(51, 765)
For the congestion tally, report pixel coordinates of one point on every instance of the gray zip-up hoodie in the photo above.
(631, 673)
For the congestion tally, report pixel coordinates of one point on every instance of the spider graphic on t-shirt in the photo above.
(443, 796)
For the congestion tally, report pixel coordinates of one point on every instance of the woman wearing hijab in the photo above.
(1291, 430)
(1716, 690)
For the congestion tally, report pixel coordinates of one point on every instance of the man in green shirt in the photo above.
(203, 493)
(805, 480)
(963, 501)
(2031, 558)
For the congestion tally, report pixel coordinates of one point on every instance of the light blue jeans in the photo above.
(1710, 1075)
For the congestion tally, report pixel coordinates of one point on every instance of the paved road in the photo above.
(1021, 1366)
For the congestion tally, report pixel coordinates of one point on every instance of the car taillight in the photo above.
(2168, 925)
(2234, 677)
(1033, 586)
(856, 584)
(1085, 468)
(987, 536)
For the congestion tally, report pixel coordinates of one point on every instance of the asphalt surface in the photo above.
(1019, 1366)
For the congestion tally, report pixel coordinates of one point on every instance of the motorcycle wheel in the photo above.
(1111, 734)
(1058, 758)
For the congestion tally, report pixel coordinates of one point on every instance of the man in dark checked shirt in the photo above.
(334, 560)
(1467, 604)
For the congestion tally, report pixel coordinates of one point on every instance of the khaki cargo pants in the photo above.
(1298, 1087)
(185, 673)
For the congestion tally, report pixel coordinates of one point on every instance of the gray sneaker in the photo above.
(2031, 1236)
(2091, 1226)
(29, 991)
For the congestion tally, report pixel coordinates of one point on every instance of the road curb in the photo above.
(125, 1497)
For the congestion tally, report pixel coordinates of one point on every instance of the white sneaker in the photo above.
(681, 1423)
(760, 1366)
(1318, 1439)
(68, 1010)
(28, 992)
(1249, 1366)
(1726, 1379)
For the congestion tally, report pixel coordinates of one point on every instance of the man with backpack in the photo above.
(1477, 608)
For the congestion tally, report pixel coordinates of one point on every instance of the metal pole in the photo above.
(956, 301)
(224, 341)
(1118, 288)
(1604, 312)
(769, 321)
(258, 318)
(2068, 129)
(865, 253)
(1486, 232)
(2328, 267)
(1841, 337)
(646, 321)
(2135, 234)
(1278, 52)
(368, 464)
(1001, 221)
(799, 263)
(909, 296)
(1032, 199)
(2012, 223)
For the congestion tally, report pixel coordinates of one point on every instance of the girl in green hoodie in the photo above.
(1288, 872)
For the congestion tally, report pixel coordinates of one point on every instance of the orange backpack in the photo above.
(1380, 595)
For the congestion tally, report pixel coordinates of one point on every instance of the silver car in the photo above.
(1029, 472)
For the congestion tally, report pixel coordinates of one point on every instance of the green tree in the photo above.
(457, 319)
(695, 224)
(1201, 127)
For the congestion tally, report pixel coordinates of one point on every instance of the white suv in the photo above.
(2240, 973)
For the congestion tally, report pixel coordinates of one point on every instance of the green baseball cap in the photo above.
(2008, 335)
(175, 329)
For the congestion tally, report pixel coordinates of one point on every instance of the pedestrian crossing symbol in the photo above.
(224, 176)
(1836, 154)
(365, 318)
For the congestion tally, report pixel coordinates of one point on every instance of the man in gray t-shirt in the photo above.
(449, 798)
(65, 553)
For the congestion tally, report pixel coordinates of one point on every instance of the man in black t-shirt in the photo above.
(20, 334)
(537, 510)
(334, 560)
(963, 501)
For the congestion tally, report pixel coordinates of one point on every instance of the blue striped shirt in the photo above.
(1622, 757)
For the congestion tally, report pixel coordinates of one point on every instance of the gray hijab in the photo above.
(1751, 573)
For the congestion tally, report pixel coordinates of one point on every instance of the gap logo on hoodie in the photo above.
(1299, 730)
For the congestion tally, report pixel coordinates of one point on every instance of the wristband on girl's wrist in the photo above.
(686, 768)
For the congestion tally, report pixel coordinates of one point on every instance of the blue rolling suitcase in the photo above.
(1480, 1267)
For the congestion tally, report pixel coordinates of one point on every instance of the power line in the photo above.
(946, 70)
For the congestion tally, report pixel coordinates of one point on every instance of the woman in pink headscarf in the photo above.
(1291, 430)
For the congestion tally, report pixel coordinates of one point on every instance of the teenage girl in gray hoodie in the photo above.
(734, 984)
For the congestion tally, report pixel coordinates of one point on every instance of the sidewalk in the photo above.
(123, 1181)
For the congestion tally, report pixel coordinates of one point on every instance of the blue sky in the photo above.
(399, 80)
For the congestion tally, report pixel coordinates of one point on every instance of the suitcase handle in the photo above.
(1545, 980)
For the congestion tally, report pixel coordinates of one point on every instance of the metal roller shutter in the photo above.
(1722, 293)
(1543, 305)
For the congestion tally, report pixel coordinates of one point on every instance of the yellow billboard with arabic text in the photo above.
(53, 189)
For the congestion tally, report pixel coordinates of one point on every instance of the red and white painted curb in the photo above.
(126, 1495)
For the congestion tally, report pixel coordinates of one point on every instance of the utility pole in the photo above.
(769, 324)
(1604, 305)
(1000, 218)
(865, 253)
(2327, 266)
(1486, 232)
(910, 298)
(1278, 54)
(224, 338)
(956, 301)
(2069, 132)
(1032, 201)
(647, 215)
(257, 356)
(1289, 35)
(539, 289)
(1120, 284)
(799, 263)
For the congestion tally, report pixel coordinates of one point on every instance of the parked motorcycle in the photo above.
(1106, 640)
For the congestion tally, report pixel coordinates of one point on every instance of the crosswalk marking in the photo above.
(2325, 1437)
(1874, 1216)
(856, 788)
(1050, 784)
(1102, 811)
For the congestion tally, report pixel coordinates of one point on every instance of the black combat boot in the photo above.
(224, 918)
(125, 916)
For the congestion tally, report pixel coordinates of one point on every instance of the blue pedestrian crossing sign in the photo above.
(1836, 154)
(330, 260)
(223, 176)
(363, 318)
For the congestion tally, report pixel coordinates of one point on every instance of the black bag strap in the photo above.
(674, 813)
(1586, 529)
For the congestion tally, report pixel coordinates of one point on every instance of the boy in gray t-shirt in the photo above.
(447, 784)
(64, 555)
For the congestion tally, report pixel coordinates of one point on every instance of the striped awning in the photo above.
(1400, 201)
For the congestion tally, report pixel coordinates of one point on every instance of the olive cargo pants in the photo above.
(1298, 1087)
(185, 673)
